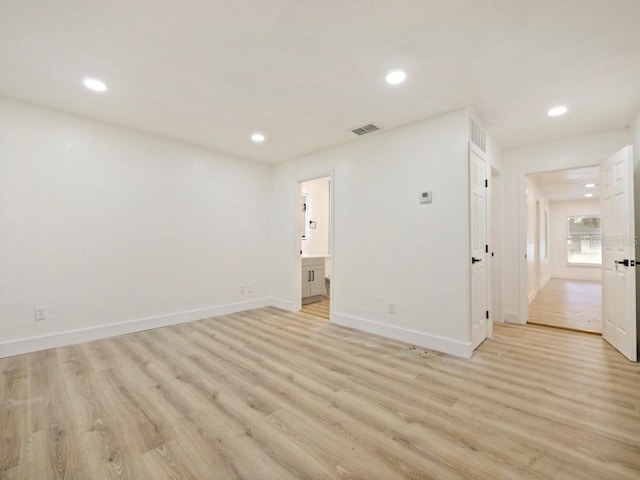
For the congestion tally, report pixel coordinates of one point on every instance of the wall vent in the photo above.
(366, 129)
(477, 135)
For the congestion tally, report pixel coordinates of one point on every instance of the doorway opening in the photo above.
(563, 249)
(315, 233)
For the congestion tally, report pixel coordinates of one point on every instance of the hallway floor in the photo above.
(570, 304)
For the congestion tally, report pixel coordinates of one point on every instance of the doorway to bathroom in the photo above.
(314, 227)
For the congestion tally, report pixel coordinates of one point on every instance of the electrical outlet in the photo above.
(392, 308)
(39, 314)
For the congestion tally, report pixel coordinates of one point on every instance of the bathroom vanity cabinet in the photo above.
(313, 285)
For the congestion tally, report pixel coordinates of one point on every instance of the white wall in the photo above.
(635, 137)
(559, 213)
(388, 248)
(538, 269)
(103, 225)
(317, 242)
(569, 153)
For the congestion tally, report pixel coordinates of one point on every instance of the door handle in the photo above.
(475, 260)
(309, 276)
(626, 262)
(313, 275)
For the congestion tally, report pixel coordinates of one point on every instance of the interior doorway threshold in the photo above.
(561, 327)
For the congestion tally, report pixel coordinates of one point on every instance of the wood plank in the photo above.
(15, 411)
(273, 394)
(319, 309)
(568, 304)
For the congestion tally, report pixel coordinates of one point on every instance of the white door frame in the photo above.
(495, 250)
(538, 248)
(297, 298)
(523, 281)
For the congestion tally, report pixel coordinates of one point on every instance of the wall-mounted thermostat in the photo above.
(425, 197)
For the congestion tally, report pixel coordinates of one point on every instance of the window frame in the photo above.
(598, 238)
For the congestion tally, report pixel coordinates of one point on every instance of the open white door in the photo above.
(478, 224)
(618, 253)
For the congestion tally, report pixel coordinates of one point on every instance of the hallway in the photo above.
(569, 304)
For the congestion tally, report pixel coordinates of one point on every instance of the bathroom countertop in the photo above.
(316, 256)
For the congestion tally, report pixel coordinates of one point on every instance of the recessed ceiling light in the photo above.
(588, 195)
(396, 77)
(557, 111)
(590, 185)
(257, 137)
(95, 85)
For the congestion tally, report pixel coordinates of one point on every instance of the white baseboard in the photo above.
(545, 280)
(532, 295)
(591, 278)
(512, 317)
(70, 337)
(282, 304)
(433, 342)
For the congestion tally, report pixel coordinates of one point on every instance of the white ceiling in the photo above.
(304, 72)
(561, 185)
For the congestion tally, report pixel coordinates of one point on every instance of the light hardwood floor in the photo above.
(319, 309)
(572, 304)
(273, 395)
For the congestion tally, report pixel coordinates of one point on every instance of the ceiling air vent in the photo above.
(366, 129)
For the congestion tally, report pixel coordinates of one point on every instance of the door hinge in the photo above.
(486, 183)
(486, 249)
(487, 314)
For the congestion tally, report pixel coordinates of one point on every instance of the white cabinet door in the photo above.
(618, 253)
(316, 285)
(306, 281)
(312, 277)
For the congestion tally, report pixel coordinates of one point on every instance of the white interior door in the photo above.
(478, 223)
(618, 253)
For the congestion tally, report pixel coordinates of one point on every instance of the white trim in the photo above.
(71, 337)
(433, 342)
(595, 277)
(283, 304)
(545, 280)
(512, 317)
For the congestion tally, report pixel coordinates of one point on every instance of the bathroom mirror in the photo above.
(304, 209)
